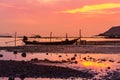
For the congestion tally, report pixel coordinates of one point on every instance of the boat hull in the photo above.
(69, 42)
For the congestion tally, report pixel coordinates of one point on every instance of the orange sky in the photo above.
(28, 17)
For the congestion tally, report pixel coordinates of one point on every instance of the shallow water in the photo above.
(95, 62)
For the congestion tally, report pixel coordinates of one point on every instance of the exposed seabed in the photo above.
(65, 48)
(30, 70)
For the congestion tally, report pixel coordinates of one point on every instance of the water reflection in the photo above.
(94, 64)
(99, 63)
(87, 60)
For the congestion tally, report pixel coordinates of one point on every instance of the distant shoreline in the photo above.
(5, 36)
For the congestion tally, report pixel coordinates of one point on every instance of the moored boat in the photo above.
(65, 42)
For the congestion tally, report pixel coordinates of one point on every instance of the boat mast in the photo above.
(66, 36)
(80, 35)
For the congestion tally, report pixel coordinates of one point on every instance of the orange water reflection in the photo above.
(94, 61)
(95, 64)
(100, 63)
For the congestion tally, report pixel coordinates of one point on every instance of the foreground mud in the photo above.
(28, 69)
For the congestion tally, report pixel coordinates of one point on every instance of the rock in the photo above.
(73, 58)
(60, 56)
(112, 32)
(1, 55)
(15, 52)
(11, 78)
(23, 54)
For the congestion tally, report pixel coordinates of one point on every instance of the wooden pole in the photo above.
(50, 36)
(80, 35)
(15, 37)
(66, 36)
(15, 52)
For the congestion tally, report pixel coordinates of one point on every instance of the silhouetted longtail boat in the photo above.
(65, 42)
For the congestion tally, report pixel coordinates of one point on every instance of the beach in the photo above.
(69, 62)
(60, 62)
(29, 69)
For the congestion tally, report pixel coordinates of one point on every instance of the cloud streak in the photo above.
(98, 8)
(5, 5)
(46, 1)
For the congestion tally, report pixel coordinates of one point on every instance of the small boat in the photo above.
(65, 42)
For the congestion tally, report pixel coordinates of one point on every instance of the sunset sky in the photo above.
(27, 17)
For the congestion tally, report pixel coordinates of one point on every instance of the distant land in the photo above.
(113, 32)
(5, 36)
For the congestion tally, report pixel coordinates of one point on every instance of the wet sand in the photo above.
(28, 69)
(65, 48)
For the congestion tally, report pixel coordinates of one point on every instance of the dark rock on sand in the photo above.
(23, 54)
(112, 75)
(1, 55)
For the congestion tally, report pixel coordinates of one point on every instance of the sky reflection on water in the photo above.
(99, 63)
(83, 60)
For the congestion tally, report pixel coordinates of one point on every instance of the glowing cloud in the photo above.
(98, 8)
